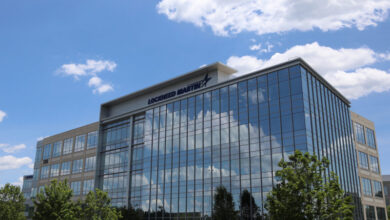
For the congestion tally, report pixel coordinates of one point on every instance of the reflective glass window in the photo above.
(370, 138)
(76, 187)
(77, 166)
(370, 212)
(45, 172)
(56, 149)
(367, 190)
(374, 164)
(88, 186)
(359, 133)
(378, 192)
(363, 160)
(92, 140)
(90, 163)
(380, 212)
(46, 151)
(38, 155)
(68, 144)
(65, 168)
(55, 170)
(80, 143)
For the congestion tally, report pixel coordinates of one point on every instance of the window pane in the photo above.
(378, 189)
(46, 151)
(67, 146)
(374, 164)
(367, 191)
(55, 170)
(77, 166)
(90, 163)
(370, 212)
(359, 132)
(363, 159)
(57, 149)
(88, 186)
(92, 140)
(65, 168)
(80, 143)
(75, 186)
(370, 138)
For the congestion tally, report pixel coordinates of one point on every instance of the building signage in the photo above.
(191, 87)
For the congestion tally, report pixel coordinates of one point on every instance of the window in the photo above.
(370, 138)
(90, 163)
(359, 132)
(88, 186)
(75, 186)
(77, 166)
(380, 212)
(370, 212)
(80, 143)
(46, 151)
(92, 140)
(36, 174)
(57, 149)
(45, 172)
(367, 191)
(65, 168)
(363, 160)
(55, 170)
(378, 189)
(38, 155)
(374, 165)
(67, 146)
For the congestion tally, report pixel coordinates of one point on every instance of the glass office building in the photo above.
(166, 148)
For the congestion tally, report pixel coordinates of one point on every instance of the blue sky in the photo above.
(61, 59)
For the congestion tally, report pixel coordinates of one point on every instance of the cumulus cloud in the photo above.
(10, 162)
(2, 115)
(345, 68)
(11, 149)
(19, 182)
(274, 16)
(268, 47)
(91, 68)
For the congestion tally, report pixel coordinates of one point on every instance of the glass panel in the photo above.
(359, 132)
(80, 143)
(92, 140)
(370, 138)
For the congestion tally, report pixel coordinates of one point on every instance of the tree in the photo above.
(97, 207)
(223, 205)
(11, 203)
(54, 202)
(131, 213)
(388, 212)
(304, 193)
(248, 207)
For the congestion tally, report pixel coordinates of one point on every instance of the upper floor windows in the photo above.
(55, 170)
(366, 186)
(56, 149)
(359, 132)
(65, 168)
(67, 146)
(378, 189)
(363, 160)
(45, 172)
(370, 138)
(38, 154)
(76, 187)
(374, 164)
(80, 143)
(46, 151)
(77, 166)
(92, 140)
(90, 163)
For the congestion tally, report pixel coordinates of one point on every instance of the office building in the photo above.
(386, 188)
(372, 196)
(166, 148)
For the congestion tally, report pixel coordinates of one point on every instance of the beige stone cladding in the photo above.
(81, 154)
(367, 151)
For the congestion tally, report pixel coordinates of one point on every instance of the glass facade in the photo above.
(374, 164)
(77, 166)
(359, 132)
(378, 192)
(234, 135)
(90, 163)
(380, 212)
(65, 168)
(46, 152)
(56, 149)
(370, 138)
(367, 190)
(55, 170)
(92, 140)
(68, 144)
(370, 212)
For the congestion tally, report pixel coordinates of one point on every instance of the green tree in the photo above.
(11, 203)
(97, 207)
(54, 202)
(248, 207)
(131, 213)
(388, 212)
(223, 205)
(304, 193)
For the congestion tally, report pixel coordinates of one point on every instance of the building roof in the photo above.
(385, 178)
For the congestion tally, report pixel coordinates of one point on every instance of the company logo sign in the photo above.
(191, 87)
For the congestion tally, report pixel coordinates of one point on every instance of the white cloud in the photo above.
(11, 149)
(91, 68)
(346, 69)
(275, 16)
(99, 86)
(258, 47)
(2, 115)
(255, 47)
(19, 182)
(10, 162)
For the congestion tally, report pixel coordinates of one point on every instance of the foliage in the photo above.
(54, 202)
(131, 213)
(388, 212)
(223, 205)
(97, 207)
(248, 205)
(11, 203)
(303, 193)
